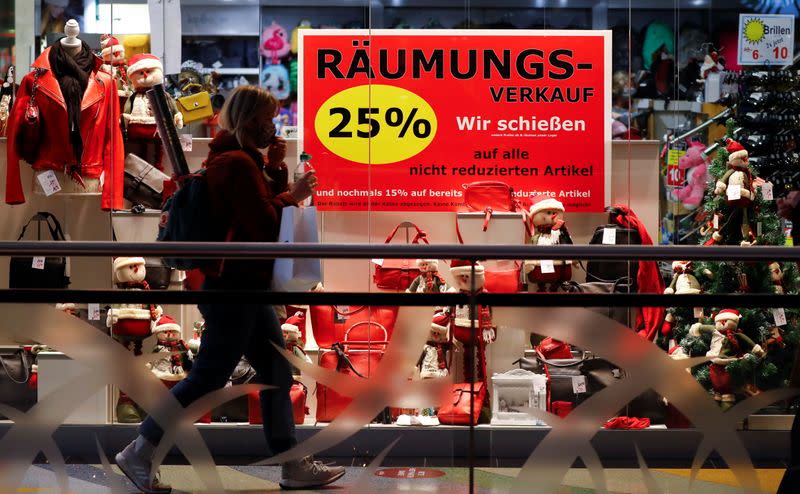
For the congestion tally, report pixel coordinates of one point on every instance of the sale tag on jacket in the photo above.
(734, 192)
(38, 262)
(547, 266)
(609, 236)
(49, 182)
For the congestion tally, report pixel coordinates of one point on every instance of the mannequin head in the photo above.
(71, 42)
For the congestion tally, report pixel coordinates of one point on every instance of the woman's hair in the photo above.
(243, 108)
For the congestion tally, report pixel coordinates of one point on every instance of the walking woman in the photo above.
(247, 191)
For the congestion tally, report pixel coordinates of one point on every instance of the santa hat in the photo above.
(121, 262)
(166, 323)
(294, 323)
(736, 151)
(111, 44)
(143, 61)
(540, 203)
(727, 315)
(463, 266)
(432, 263)
(440, 322)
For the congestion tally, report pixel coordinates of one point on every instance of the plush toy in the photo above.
(728, 344)
(275, 79)
(695, 164)
(275, 43)
(776, 274)
(197, 334)
(144, 72)
(114, 63)
(684, 281)
(292, 335)
(432, 362)
(170, 368)
(304, 24)
(711, 64)
(429, 279)
(462, 320)
(548, 228)
(737, 185)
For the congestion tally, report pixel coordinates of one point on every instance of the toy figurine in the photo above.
(776, 274)
(728, 344)
(171, 368)
(114, 63)
(711, 64)
(775, 341)
(429, 279)
(293, 336)
(684, 281)
(144, 72)
(548, 228)
(197, 334)
(737, 185)
(432, 362)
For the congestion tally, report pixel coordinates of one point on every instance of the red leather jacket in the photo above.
(103, 152)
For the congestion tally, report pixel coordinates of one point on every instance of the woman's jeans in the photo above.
(231, 331)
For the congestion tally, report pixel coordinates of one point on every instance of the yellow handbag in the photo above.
(196, 106)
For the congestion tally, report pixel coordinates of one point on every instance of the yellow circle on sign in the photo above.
(375, 124)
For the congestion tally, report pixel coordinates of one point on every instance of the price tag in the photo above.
(675, 176)
(734, 192)
(49, 182)
(94, 312)
(609, 236)
(186, 142)
(579, 384)
(766, 191)
(698, 312)
(38, 263)
(780, 317)
(766, 39)
(674, 155)
(547, 267)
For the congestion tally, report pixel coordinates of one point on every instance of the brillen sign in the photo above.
(404, 119)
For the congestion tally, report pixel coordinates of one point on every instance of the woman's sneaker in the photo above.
(308, 473)
(137, 468)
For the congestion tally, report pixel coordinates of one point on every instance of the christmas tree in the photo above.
(753, 352)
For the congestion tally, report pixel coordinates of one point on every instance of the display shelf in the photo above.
(233, 70)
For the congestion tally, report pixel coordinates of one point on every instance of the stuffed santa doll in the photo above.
(737, 185)
(114, 63)
(432, 362)
(728, 344)
(776, 275)
(293, 337)
(173, 362)
(684, 281)
(548, 228)
(429, 279)
(144, 72)
(470, 328)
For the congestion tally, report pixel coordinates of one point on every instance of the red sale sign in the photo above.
(400, 120)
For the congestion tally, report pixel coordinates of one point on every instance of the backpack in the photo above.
(185, 218)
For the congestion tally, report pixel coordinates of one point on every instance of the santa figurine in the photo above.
(472, 329)
(429, 279)
(197, 333)
(711, 64)
(548, 228)
(432, 362)
(684, 281)
(776, 274)
(737, 185)
(173, 362)
(293, 336)
(114, 63)
(728, 344)
(139, 122)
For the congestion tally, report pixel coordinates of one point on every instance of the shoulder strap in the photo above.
(56, 233)
(342, 357)
(421, 235)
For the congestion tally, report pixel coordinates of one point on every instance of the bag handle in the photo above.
(56, 233)
(358, 308)
(421, 235)
(341, 356)
(383, 342)
(583, 359)
(25, 367)
(466, 389)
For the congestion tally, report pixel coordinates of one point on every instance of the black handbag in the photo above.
(157, 274)
(22, 274)
(15, 374)
(144, 183)
(598, 373)
(621, 285)
(610, 271)
(236, 410)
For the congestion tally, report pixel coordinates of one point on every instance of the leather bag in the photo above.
(397, 274)
(22, 274)
(158, 275)
(29, 132)
(330, 324)
(144, 183)
(455, 405)
(298, 393)
(561, 373)
(622, 285)
(16, 388)
(610, 271)
(195, 106)
(353, 357)
(503, 278)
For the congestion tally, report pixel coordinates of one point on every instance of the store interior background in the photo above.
(228, 32)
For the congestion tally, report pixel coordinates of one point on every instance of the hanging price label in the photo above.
(609, 236)
(579, 384)
(38, 263)
(780, 316)
(766, 191)
(734, 192)
(186, 142)
(49, 182)
(94, 312)
(547, 267)
(716, 221)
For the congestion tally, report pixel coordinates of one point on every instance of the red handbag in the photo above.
(397, 274)
(455, 408)
(329, 323)
(29, 131)
(550, 348)
(489, 197)
(353, 357)
(503, 279)
(297, 393)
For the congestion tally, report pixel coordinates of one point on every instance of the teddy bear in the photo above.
(138, 119)
(548, 228)
(695, 164)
